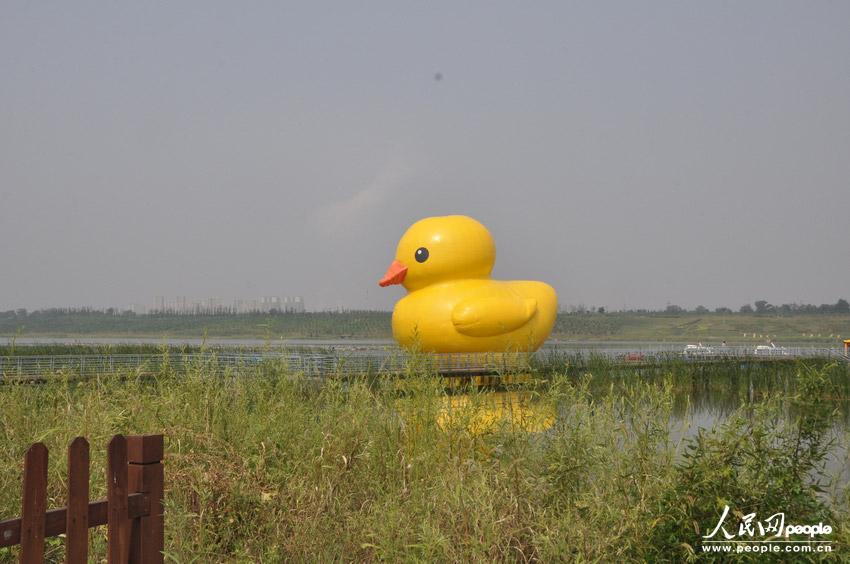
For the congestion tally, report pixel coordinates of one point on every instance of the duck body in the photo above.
(476, 315)
(452, 305)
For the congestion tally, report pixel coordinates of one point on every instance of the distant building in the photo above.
(267, 304)
(207, 306)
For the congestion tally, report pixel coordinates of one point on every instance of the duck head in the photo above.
(438, 249)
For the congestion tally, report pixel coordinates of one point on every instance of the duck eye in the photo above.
(421, 254)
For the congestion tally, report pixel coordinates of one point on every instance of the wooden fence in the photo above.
(132, 510)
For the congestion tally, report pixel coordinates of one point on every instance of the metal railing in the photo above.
(307, 363)
(384, 360)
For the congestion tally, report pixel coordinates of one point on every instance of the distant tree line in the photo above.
(765, 307)
(83, 312)
(23, 313)
(54, 312)
(758, 307)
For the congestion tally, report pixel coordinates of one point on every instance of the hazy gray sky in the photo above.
(629, 153)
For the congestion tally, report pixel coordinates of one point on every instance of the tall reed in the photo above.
(264, 465)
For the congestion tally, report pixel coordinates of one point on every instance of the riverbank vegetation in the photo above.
(265, 466)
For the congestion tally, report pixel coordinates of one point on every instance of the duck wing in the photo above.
(498, 313)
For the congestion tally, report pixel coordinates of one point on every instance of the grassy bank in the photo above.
(364, 325)
(265, 467)
(708, 327)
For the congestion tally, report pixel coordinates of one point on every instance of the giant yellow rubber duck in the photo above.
(452, 305)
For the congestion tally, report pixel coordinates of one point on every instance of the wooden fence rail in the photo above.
(132, 510)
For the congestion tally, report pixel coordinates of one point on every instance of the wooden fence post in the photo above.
(34, 504)
(118, 520)
(77, 516)
(145, 454)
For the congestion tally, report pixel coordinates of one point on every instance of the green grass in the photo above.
(362, 324)
(709, 327)
(264, 467)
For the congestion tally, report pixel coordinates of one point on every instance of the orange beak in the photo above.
(395, 274)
